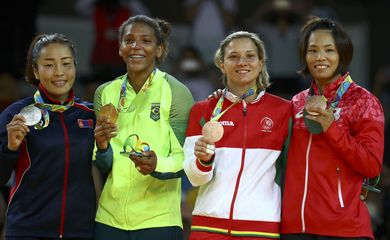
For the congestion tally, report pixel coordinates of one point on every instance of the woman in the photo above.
(47, 139)
(141, 197)
(238, 175)
(332, 150)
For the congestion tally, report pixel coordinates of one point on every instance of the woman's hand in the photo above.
(146, 163)
(16, 130)
(204, 149)
(215, 94)
(324, 117)
(104, 131)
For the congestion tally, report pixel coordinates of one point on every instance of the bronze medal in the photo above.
(313, 126)
(32, 115)
(213, 131)
(315, 101)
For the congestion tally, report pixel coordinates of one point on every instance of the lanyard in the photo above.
(339, 93)
(45, 108)
(217, 114)
(122, 98)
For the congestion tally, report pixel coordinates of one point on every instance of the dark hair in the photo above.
(161, 29)
(343, 42)
(34, 52)
(263, 80)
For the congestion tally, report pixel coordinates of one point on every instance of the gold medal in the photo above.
(32, 115)
(110, 112)
(213, 131)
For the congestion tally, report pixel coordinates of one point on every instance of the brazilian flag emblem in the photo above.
(155, 111)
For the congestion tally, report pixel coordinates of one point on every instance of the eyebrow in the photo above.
(246, 51)
(52, 59)
(326, 45)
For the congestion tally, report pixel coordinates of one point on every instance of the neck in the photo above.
(138, 79)
(240, 91)
(54, 97)
(322, 84)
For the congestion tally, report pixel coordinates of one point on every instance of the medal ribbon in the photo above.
(45, 108)
(217, 114)
(339, 93)
(122, 98)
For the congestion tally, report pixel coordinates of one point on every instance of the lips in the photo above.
(321, 67)
(243, 71)
(59, 83)
(136, 57)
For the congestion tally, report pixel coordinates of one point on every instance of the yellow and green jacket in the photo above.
(158, 114)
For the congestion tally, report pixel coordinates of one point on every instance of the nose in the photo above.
(135, 44)
(59, 70)
(242, 60)
(320, 55)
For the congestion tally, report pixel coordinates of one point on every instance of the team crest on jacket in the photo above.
(155, 111)
(266, 124)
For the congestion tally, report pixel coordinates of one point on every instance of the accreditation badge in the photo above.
(155, 111)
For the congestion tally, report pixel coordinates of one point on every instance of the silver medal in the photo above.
(32, 115)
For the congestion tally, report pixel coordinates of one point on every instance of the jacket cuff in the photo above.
(104, 160)
(203, 166)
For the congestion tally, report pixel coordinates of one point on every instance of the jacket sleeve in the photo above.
(8, 158)
(197, 173)
(182, 101)
(363, 145)
(102, 158)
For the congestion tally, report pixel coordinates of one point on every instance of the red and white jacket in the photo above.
(239, 194)
(325, 172)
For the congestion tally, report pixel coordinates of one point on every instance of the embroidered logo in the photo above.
(85, 123)
(155, 111)
(336, 113)
(266, 124)
(299, 114)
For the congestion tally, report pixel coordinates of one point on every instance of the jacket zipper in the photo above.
(339, 191)
(239, 175)
(306, 183)
(66, 173)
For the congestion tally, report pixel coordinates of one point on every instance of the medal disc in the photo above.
(213, 131)
(110, 112)
(315, 101)
(32, 115)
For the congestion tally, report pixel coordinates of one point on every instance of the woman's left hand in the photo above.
(325, 116)
(145, 164)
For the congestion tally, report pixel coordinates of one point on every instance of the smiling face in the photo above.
(56, 70)
(139, 48)
(322, 57)
(241, 64)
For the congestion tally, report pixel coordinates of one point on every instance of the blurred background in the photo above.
(197, 28)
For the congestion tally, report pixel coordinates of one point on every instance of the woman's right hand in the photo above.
(104, 131)
(16, 130)
(204, 149)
